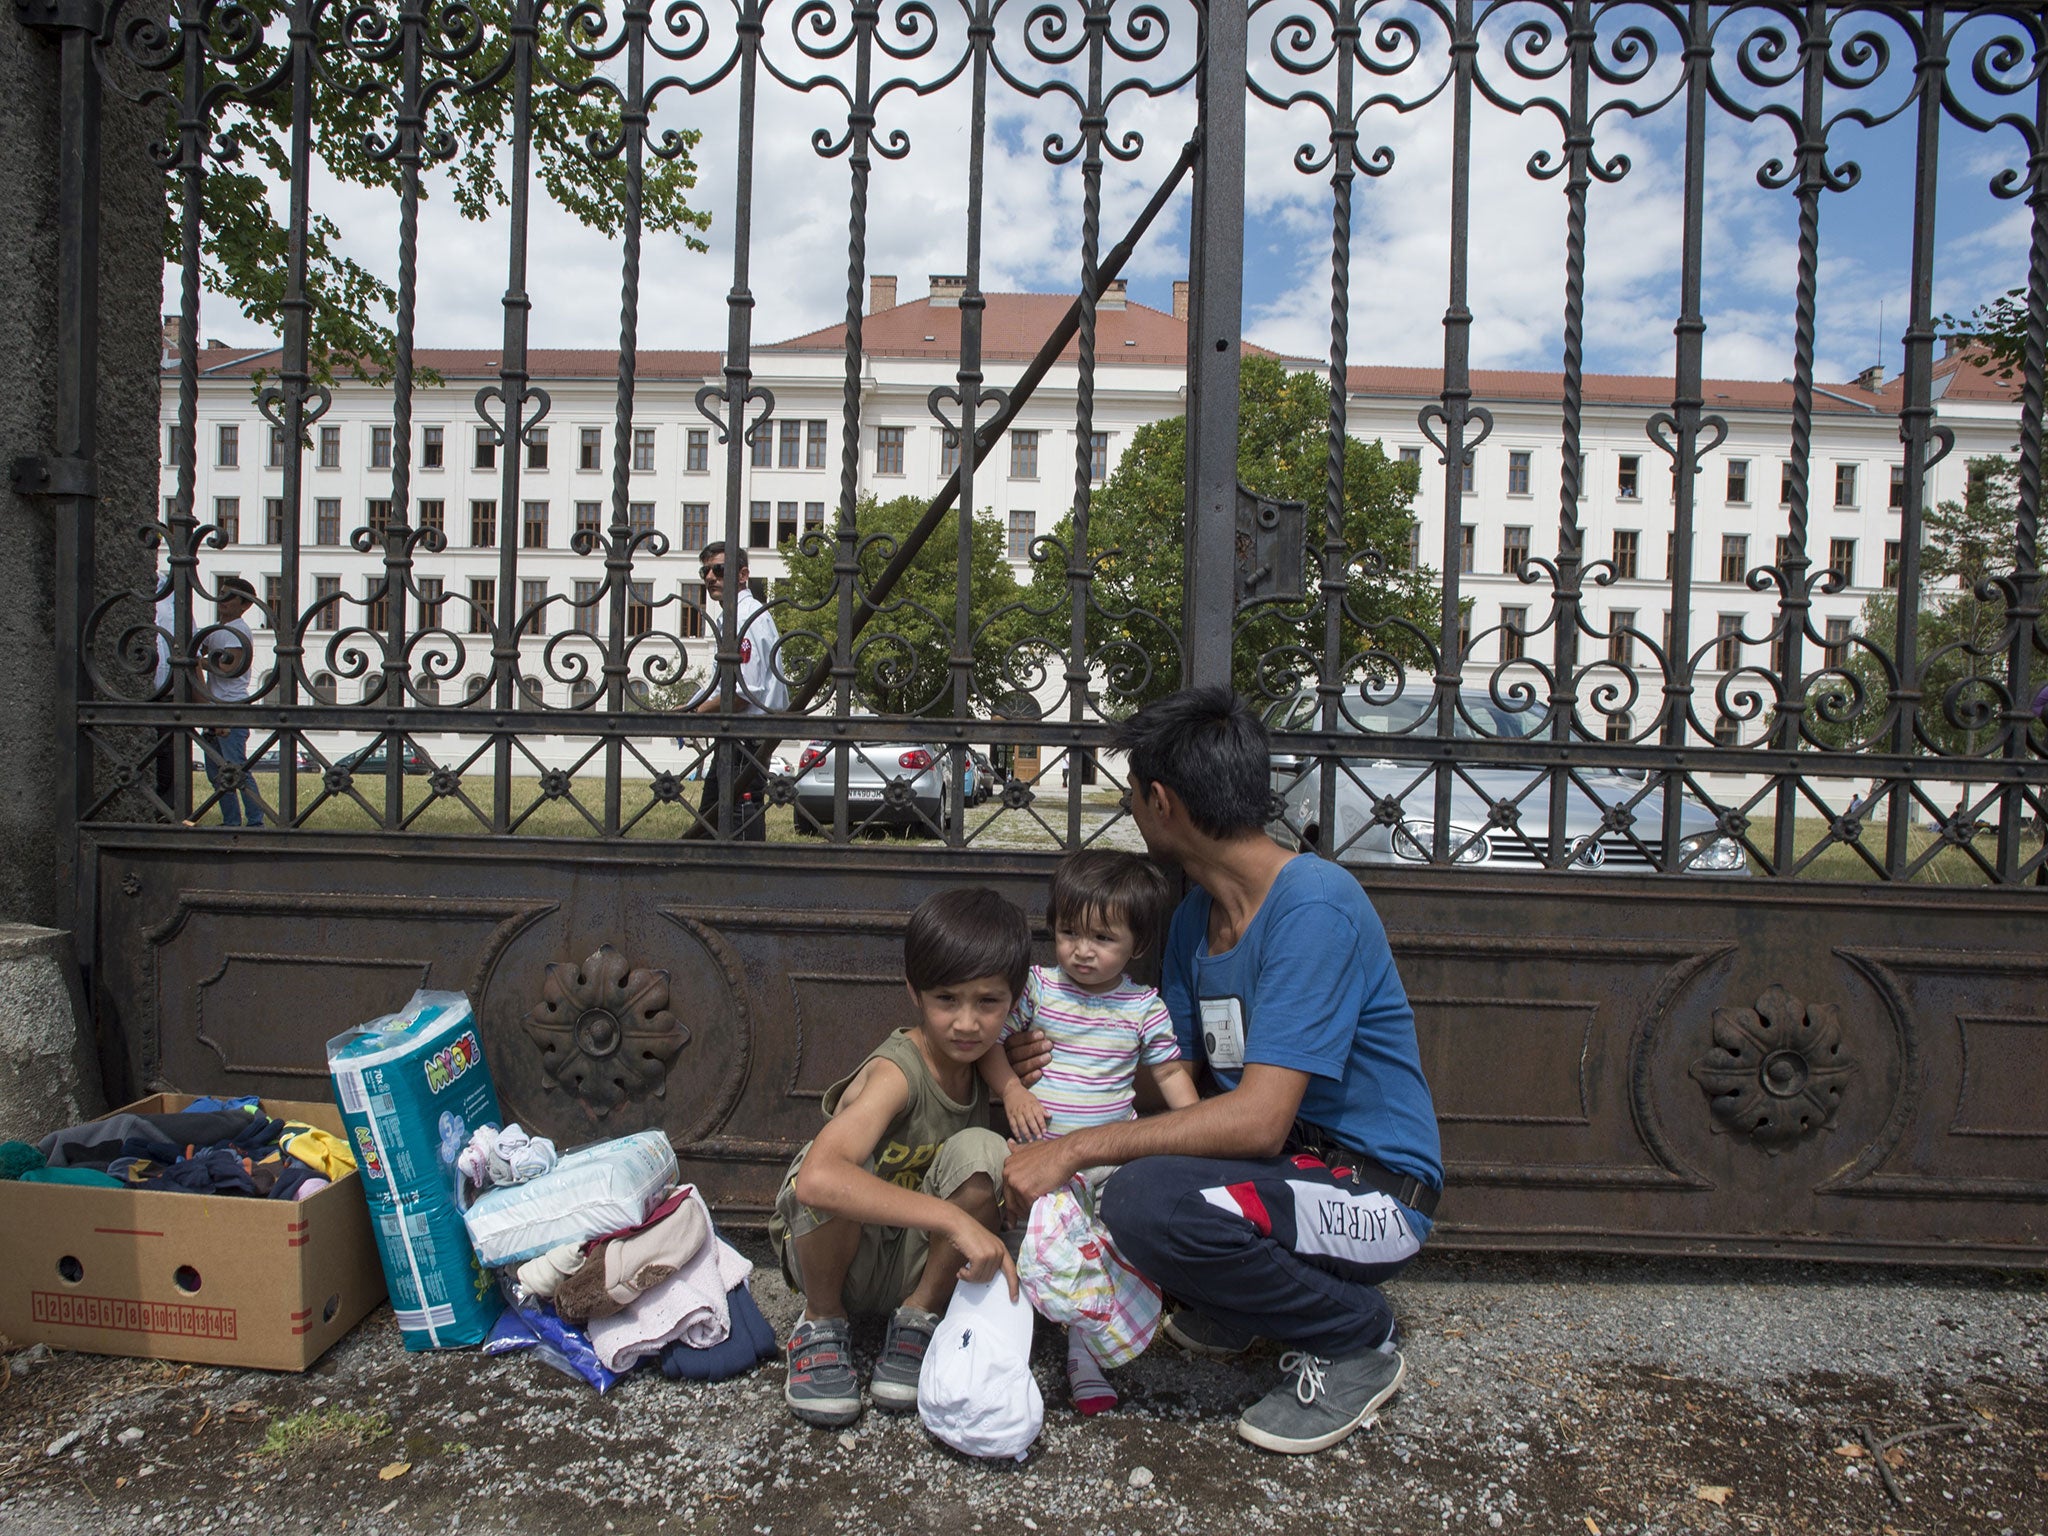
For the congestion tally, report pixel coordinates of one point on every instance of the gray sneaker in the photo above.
(894, 1384)
(1323, 1401)
(1201, 1335)
(821, 1388)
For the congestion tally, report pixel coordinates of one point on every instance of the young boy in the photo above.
(901, 1193)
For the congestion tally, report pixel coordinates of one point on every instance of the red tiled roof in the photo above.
(1618, 389)
(1013, 327)
(542, 363)
(1964, 375)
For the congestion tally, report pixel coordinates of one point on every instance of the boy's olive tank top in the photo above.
(914, 1137)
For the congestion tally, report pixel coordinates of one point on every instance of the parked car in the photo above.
(1363, 837)
(923, 803)
(373, 759)
(268, 763)
(988, 779)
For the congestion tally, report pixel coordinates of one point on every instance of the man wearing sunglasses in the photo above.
(761, 690)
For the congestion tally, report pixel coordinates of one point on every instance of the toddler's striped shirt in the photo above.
(1097, 1040)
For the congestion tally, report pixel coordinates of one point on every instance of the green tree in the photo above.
(1137, 531)
(245, 241)
(902, 657)
(1962, 620)
(1994, 335)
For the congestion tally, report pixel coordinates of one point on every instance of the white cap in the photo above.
(975, 1391)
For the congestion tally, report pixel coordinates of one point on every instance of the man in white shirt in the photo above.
(226, 650)
(762, 690)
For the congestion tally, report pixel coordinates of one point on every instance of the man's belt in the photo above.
(1367, 1169)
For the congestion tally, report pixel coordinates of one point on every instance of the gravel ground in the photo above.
(1551, 1395)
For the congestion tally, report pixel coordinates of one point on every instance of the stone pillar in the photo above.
(49, 1074)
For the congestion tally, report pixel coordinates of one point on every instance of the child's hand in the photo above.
(984, 1253)
(1025, 1113)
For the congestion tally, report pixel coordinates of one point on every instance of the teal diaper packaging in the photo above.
(412, 1087)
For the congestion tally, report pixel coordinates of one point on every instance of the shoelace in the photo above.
(1308, 1381)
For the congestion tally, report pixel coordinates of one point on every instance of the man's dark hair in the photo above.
(1207, 746)
(1123, 887)
(714, 549)
(963, 934)
(236, 586)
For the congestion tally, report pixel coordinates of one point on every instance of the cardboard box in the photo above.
(217, 1279)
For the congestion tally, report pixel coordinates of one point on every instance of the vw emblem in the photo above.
(1592, 856)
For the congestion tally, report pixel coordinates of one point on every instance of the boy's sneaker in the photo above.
(822, 1388)
(1322, 1401)
(1201, 1335)
(894, 1384)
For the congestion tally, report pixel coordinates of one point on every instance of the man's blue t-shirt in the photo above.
(1316, 992)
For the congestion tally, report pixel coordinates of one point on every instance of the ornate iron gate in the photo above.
(1770, 1059)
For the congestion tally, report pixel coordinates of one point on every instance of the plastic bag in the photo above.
(600, 1188)
(561, 1345)
(1071, 1273)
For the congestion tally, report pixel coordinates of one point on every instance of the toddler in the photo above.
(1105, 910)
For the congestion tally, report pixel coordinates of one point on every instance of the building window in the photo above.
(643, 449)
(227, 517)
(1734, 556)
(327, 603)
(230, 455)
(1898, 501)
(696, 524)
(1412, 455)
(277, 447)
(483, 524)
(533, 596)
(273, 599)
(1464, 635)
(1468, 547)
(323, 687)
(533, 525)
(1415, 546)
(536, 447)
(757, 525)
(639, 608)
(1466, 483)
(377, 513)
(1514, 629)
(785, 522)
(1621, 640)
(1837, 647)
(273, 519)
(1023, 455)
(434, 516)
(690, 622)
(640, 517)
(1514, 549)
(1727, 731)
(1620, 727)
(174, 452)
(1728, 644)
(432, 600)
(327, 520)
(1785, 485)
(814, 516)
(590, 517)
(1845, 485)
(814, 445)
(581, 692)
(1671, 555)
(761, 438)
(380, 447)
(590, 448)
(697, 451)
(330, 447)
(790, 445)
(1625, 553)
(1738, 482)
(1628, 477)
(889, 450)
(1842, 557)
(1098, 457)
(584, 614)
(1582, 477)
(376, 603)
(430, 447)
(1894, 551)
(1784, 556)
(949, 451)
(483, 601)
(1023, 529)
(1518, 473)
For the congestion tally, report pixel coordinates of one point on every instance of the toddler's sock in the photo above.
(1091, 1390)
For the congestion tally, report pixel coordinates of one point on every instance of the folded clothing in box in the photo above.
(412, 1088)
(604, 1187)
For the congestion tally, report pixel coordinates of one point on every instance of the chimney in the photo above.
(946, 290)
(1115, 296)
(881, 294)
(1951, 344)
(1871, 378)
(171, 333)
(1180, 299)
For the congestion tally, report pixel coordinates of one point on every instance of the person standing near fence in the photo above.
(226, 650)
(762, 690)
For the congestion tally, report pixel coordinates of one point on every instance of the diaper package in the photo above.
(412, 1087)
(604, 1187)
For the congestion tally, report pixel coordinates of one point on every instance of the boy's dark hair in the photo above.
(1207, 746)
(962, 934)
(1120, 886)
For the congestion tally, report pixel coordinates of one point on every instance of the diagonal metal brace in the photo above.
(37, 476)
(54, 16)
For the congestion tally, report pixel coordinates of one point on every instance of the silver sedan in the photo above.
(900, 784)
